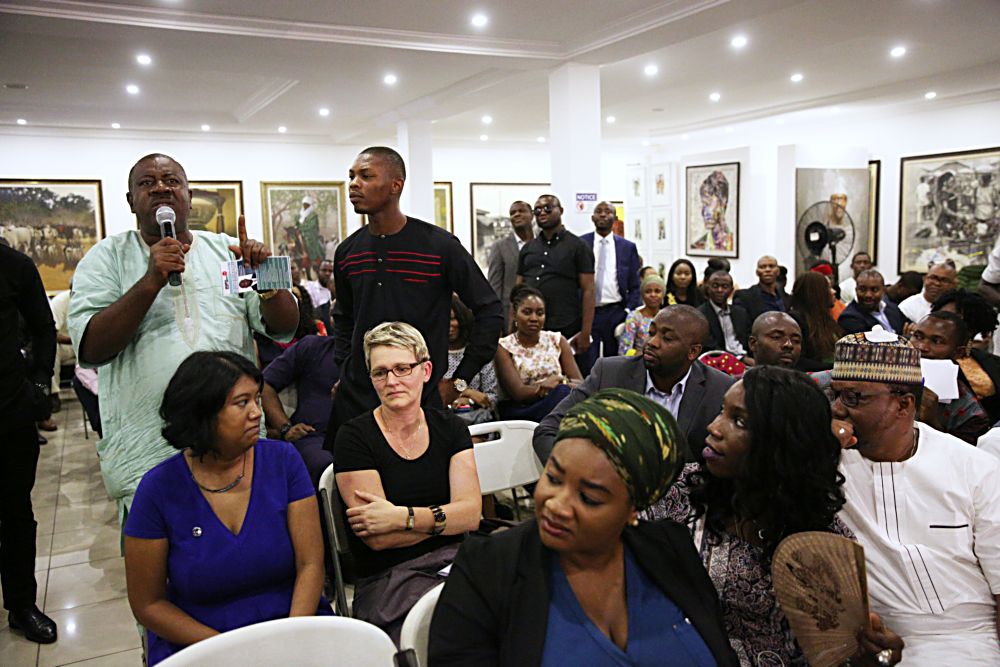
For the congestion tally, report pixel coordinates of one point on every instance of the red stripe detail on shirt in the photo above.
(418, 254)
(350, 275)
(414, 280)
(413, 261)
(360, 254)
(416, 273)
(360, 261)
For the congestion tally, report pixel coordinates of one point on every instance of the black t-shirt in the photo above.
(360, 445)
(553, 267)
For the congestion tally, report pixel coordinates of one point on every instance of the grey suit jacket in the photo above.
(700, 404)
(502, 272)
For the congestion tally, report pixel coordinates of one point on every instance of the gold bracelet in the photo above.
(268, 294)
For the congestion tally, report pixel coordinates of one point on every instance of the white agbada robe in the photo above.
(930, 527)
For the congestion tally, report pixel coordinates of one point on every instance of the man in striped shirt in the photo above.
(398, 268)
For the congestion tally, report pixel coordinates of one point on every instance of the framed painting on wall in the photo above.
(949, 206)
(712, 218)
(874, 196)
(55, 222)
(444, 217)
(305, 220)
(839, 199)
(490, 212)
(619, 226)
(659, 188)
(216, 206)
(660, 227)
(635, 193)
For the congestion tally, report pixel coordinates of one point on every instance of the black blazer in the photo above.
(494, 608)
(990, 363)
(700, 404)
(751, 300)
(855, 320)
(716, 338)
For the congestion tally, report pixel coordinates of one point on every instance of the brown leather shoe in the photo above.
(48, 425)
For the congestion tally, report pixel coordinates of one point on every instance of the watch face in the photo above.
(461, 385)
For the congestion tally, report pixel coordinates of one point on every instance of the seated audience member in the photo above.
(476, 403)
(825, 269)
(944, 335)
(647, 271)
(714, 265)
(782, 278)
(408, 478)
(585, 583)
(776, 340)
(728, 325)
(309, 366)
(924, 505)
(861, 261)
(637, 323)
(908, 284)
(321, 292)
(268, 350)
(682, 286)
(85, 388)
(200, 558)
(59, 304)
(535, 367)
(770, 471)
(766, 295)
(980, 368)
(941, 277)
(869, 308)
(667, 372)
(812, 298)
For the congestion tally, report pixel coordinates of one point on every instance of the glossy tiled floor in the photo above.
(81, 577)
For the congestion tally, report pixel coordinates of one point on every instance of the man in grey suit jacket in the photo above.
(667, 372)
(502, 272)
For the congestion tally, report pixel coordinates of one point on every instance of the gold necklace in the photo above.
(395, 437)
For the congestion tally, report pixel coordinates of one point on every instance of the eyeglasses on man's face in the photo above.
(399, 370)
(852, 399)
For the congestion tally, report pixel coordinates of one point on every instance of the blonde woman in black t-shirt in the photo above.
(407, 476)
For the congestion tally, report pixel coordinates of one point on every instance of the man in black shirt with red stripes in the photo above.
(398, 268)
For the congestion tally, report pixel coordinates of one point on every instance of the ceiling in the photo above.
(246, 67)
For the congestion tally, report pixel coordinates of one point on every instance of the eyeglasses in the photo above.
(852, 399)
(400, 371)
(949, 262)
(548, 208)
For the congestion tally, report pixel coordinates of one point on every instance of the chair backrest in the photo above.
(310, 641)
(416, 629)
(509, 461)
(330, 500)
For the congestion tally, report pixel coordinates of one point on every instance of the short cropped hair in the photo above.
(394, 159)
(152, 156)
(959, 326)
(395, 334)
(197, 393)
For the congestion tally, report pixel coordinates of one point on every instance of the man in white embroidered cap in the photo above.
(924, 504)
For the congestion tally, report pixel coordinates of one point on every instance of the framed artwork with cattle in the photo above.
(55, 222)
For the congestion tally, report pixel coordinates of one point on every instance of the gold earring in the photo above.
(634, 521)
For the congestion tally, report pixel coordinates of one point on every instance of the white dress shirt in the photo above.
(881, 318)
(609, 293)
(733, 345)
(915, 307)
(848, 290)
(671, 401)
(320, 295)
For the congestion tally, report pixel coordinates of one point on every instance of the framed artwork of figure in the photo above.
(712, 220)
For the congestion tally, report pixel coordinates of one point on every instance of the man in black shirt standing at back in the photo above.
(24, 399)
(398, 268)
(561, 267)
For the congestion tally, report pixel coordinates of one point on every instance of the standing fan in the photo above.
(825, 231)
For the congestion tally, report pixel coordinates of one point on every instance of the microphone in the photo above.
(166, 218)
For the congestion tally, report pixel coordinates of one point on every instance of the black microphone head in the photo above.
(165, 214)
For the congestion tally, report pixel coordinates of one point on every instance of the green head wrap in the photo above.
(639, 436)
(653, 278)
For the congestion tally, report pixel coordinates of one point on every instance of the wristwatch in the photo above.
(409, 518)
(460, 385)
(285, 428)
(440, 519)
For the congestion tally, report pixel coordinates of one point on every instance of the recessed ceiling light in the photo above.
(282, 129)
(779, 121)
(143, 59)
(930, 95)
(715, 97)
(645, 142)
(730, 129)
(835, 110)
(738, 42)
(685, 137)
(21, 121)
(898, 51)
(610, 120)
(116, 126)
(324, 112)
(206, 127)
(390, 79)
(484, 137)
(487, 119)
(651, 70)
(479, 20)
(795, 78)
(540, 140)
(132, 89)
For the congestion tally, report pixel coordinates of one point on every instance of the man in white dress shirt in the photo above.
(861, 261)
(925, 506)
(941, 277)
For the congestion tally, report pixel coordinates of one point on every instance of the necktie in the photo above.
(602, 257)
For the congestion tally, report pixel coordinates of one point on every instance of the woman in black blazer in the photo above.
(585, 583)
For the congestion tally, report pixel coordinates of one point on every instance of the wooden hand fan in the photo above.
(820, 582)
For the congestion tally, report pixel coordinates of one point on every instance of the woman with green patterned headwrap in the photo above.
(586, 583)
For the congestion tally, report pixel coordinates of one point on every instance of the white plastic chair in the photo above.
(416, 629)
(311, 641)
(508, 461)
(336, 535)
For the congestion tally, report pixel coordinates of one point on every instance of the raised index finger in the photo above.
(242, 227)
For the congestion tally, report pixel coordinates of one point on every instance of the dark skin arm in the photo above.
(280, 313)
(581, 341)
(275, 417)
(990, 292)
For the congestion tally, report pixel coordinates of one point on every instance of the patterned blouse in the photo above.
(485, 380)
(636, 332)
(757, 628)
(537, 362)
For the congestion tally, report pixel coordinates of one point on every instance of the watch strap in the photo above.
(409, 518)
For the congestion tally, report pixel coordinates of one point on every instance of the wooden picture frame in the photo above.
(216, 206)
(307, 240)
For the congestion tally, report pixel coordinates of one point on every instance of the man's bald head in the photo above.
(775, 340)
(686, 320)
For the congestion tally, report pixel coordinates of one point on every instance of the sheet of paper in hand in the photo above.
(821, 585)
(272, 273)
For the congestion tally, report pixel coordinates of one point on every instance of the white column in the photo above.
(416, 147)
(575, 139)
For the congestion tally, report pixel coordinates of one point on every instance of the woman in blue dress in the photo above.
(225, 533)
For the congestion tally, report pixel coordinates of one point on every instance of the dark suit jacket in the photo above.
(700, 404)
(627, 268)
(855, 320)
(751, 300)
(716, 338)
(494, 608)
(990, 363)
(502, 272)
